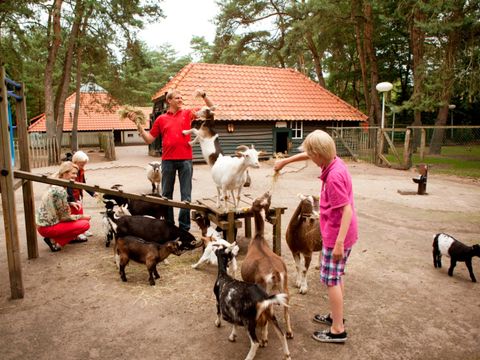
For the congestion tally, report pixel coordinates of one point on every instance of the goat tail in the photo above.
(278, 299)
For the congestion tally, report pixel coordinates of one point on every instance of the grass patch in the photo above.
(461, 161)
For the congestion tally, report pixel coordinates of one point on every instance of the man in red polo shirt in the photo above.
(176, 151)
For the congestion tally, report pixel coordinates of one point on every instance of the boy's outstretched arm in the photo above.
(279, 164)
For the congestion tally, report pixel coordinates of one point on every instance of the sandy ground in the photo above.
(398, 306)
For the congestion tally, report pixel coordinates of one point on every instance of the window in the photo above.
(129, 135)
(297, 129)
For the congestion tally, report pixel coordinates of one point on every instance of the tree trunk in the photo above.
(417, 38)
(361, 54)
(447, 75)
(63, 89)
(54, 36)
(375, 110)
(317, 58)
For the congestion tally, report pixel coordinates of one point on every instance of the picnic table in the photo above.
(230, 219)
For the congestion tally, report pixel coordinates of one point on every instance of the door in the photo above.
(281, 140)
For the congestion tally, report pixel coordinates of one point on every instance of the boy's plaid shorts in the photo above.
(331, 270)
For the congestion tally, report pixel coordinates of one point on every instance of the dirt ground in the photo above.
(398, 306)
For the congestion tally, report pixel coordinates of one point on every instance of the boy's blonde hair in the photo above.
(319, 143)
(65, 167)
(79, 156)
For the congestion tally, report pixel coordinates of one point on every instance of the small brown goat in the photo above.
(303, 237)
(262, 266)
(149, 253)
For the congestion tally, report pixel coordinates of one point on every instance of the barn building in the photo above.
(98, 115)
(272, 108)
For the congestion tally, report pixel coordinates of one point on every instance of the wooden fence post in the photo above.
(8, 197)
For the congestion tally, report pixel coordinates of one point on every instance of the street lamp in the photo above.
(383, 87)
(451, 107)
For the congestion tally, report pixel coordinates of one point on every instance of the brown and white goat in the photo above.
(206, 135)
(303, 237)
(261, 265)
(246, 304)
(149, 253)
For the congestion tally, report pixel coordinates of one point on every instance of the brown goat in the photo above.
(262, 266)
(149, 253)
(303, 237)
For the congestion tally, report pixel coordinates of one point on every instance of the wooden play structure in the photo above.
(231, 220)
(11, 179)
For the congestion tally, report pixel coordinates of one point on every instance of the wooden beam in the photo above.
(8, 197)
(149, 198)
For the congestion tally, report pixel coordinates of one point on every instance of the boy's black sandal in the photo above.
(53, 247)
(329, 337)
(324, 319)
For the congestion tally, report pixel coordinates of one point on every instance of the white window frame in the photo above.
(297, 129)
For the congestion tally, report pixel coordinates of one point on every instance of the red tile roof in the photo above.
(98, 111)
(259, 93)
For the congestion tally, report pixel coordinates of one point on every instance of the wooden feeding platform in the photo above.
(230, 219)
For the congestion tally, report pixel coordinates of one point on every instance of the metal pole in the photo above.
(393, 125)
(383, 110)
(451, 124)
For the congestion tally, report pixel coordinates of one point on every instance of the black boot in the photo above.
(53, 247)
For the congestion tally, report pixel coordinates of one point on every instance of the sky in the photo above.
(184, 18)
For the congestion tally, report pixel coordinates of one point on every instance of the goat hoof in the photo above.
(289, 335)
(217, 323)
(263, 343)
(124, 279)
(232, 338)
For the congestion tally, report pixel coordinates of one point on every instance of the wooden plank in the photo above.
(152, 199)
(422, 143)
(407, 150)
(8, 198)
(392, 146)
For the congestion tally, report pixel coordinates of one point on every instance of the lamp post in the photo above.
(383, 87)
(451, 107)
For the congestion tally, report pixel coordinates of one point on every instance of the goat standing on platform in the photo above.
(229, 173)
(338, 225)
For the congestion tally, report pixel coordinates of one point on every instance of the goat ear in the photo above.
(213, 107)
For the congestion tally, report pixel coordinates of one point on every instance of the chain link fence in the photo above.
(448, 149)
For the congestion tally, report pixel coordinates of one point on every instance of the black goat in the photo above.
(139, 207)
(155, 230)
(444, 244)
(133, 248)
(246, 304)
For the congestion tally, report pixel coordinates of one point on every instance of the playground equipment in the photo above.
(12, 89)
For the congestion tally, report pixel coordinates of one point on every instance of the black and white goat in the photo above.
(246, 304)
(444, 244)
(134, 248)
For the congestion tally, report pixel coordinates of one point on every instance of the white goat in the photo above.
(154, 175)
(229, 173)
(212, 241)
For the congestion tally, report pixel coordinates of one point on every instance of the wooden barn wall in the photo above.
(260, 134)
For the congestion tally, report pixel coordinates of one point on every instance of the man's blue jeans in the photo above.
(185, 172)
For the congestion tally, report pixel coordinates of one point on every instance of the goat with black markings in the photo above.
(246, 304)
(261, 265)
(134, 248)
(444, 244)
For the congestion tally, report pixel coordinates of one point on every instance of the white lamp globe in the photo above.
(384, 87)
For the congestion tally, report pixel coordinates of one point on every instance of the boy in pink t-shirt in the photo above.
(338, 225)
